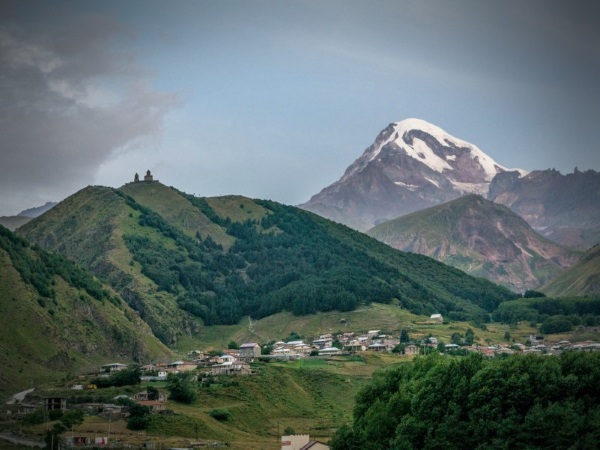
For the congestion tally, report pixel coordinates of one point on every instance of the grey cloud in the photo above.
(69, 99)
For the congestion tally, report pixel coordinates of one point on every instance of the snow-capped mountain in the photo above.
(411, 165)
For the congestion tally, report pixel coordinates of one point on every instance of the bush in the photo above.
(556, 324)
(138, 422)
(182, 387)
(34, 418)
(222, 415)
(125, 377)
(533, 294)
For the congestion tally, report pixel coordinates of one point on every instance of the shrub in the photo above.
(182, 387)
(222, 415)
(556, 324)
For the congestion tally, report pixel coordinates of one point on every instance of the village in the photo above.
(241, 360)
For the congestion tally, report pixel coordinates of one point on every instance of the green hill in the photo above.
(56, 319)
(582, 279)
(482, 238)
(185, 262)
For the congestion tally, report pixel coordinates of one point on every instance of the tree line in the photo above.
(515, 402)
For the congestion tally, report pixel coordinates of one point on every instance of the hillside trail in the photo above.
(252, 331)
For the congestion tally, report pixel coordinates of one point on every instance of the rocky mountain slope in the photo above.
(56, 319)
(411, 165)
(563, 208)
(185, 262)
(481, 238)
(583, 279)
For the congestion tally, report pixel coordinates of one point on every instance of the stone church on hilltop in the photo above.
(148, 177)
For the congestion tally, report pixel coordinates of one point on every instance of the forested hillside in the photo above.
(55, 318)
(518, 402)
(219, 259)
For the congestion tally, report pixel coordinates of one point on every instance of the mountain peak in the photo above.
(412, 164)
(434, 147)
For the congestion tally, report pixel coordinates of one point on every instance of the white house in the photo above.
(113, 367)
(329, 351)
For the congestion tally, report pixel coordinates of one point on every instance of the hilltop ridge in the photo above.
(186, 262)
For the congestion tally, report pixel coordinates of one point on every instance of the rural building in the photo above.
(354, 346)
(323, 342)
(302, 349)
(143, 396)
(230, 368)
(301, 442)
(113, 367)
(53, 403)
(153, 405)
(181, 366)
(411, 349)
(377, 347)
(215, 360)
(436, 318)
(329, 351)
(250, 350)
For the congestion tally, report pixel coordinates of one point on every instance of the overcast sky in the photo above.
(274, 99)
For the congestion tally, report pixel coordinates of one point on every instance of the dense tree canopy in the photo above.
(293, 260)
(538, 309)
(517, 402)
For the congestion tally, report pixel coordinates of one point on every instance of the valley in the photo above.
(164, 287)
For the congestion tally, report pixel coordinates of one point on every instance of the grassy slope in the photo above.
(387, 318)
(312, 396)
(176, 210)
(41, 342)
(580, 280)
(481, 238)
(94, 220)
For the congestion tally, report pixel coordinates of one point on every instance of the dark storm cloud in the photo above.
(69, 99)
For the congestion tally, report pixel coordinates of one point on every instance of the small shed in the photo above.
(436, 318)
